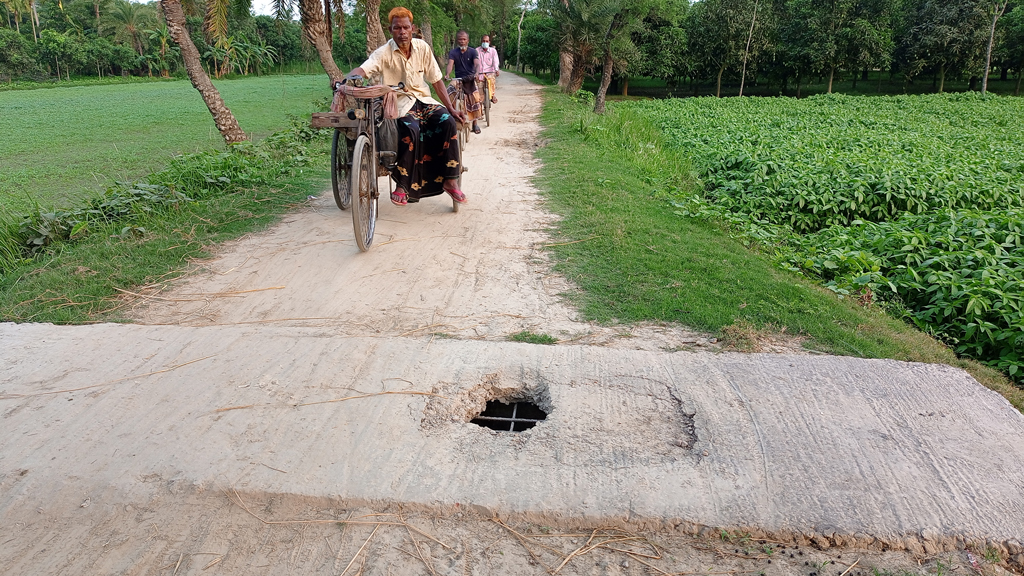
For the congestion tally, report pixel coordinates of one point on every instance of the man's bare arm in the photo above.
(442, 93)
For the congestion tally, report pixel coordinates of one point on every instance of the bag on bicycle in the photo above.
(387, 136)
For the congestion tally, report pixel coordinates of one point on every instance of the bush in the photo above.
(16, 58)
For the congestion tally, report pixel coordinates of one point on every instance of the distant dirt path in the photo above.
(477, 274)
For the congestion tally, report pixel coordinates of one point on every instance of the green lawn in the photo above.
(66, 143)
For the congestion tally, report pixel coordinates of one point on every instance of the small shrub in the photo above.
(532, 338)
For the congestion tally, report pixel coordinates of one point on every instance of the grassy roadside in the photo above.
(635, 260)
(150, 232)
(65, 144)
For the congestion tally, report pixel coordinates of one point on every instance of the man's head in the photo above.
(401, 25)
(485, 42)
(462, 40)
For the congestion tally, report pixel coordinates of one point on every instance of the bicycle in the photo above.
(459, 102)
(487, 101)
(357, 161)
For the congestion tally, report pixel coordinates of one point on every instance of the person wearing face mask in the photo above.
(466, 63)
(489, 66)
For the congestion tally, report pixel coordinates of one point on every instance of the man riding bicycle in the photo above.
(489, 66)
(466, 63)
(428, 149)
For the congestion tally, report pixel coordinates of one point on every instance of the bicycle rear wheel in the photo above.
(339, 171)
(364, 189)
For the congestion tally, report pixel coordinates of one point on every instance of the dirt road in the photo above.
(477, 274)
(295, 406)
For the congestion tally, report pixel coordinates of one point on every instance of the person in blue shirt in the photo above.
(466, 63)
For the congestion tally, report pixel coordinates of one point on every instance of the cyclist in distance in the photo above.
(489, 66)
(466, 63)
(428, 149)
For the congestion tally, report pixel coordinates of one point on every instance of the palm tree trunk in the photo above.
(579, 73)
(222, 116)
(375, 37)
(328, 25)
(315, 30)
(565, 68)
(32, 21)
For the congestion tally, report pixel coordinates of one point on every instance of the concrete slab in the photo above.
(825, 447)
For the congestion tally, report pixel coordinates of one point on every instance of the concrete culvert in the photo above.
(510, 416)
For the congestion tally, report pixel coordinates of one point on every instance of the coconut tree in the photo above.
(222, 116)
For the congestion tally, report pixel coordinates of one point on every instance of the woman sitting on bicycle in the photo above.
(428, 153)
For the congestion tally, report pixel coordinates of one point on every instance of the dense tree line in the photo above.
(54, 39)
(783, 43)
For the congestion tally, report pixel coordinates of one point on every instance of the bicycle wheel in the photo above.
(460, 105)
(487, 103)
(339, 171)
(455, 205)
(364, 188)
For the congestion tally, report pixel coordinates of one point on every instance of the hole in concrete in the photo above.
(514, 417)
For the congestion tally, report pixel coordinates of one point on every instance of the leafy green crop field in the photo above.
(912, 201)
(61, 145)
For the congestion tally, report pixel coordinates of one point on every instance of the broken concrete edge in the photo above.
(925, 543)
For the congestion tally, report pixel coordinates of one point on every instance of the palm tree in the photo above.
(318, 30)
(222, 116)
(15, 7)
(129, 21)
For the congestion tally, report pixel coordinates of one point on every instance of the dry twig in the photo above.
(360, 550)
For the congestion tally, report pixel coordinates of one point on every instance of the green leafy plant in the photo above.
(913, 202)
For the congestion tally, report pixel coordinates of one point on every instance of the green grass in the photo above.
(63, 145)
(83, 81)
(532, 338)
(78, 282)
(635, 260)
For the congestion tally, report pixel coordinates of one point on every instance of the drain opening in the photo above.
(514, 417)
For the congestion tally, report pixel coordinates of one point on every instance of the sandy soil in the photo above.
(477, 274)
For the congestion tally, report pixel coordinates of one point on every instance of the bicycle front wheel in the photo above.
(339, 171)
(487, 103)
(364, 191)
